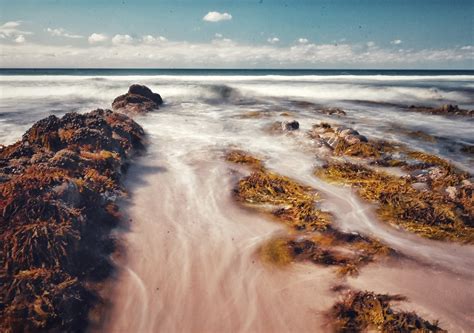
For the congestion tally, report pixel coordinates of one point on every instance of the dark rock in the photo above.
(291, 125)
(446, 110)
(139, 99)
(144, 91)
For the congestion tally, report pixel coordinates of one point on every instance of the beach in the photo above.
(189, 255)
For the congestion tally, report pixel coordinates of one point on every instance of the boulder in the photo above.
(137, 89)
(139, 99)
(291, 125)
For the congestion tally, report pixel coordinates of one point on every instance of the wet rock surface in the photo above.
(447, 110)
(139, 99)
(58, 191)
(284, 126)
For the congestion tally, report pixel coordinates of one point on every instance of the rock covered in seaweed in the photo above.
(342, 140)
(58, 187)
(361, 311)
(446, 110)
(138, 99)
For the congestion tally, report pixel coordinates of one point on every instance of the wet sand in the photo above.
(192, 264)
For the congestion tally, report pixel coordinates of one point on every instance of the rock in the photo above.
(451, 192)
(284, 126)
(353, 139)
(44, 133)
(291, 125)
(420, 186)
(446, 109)
(333, 111)
(139, 99)
(348, 131)
(144, 91)
(57, 191)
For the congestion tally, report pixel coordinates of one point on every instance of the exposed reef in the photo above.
(433, 199)
(58, 190)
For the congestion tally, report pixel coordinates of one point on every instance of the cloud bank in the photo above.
(150, 51)
(123, 50)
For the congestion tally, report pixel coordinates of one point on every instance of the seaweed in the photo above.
(360, 149)
(241, 157)
(426, 213)
(361, 311)
(346, 252)
(57, 210)
(313, 237)
(295, 202)
(276, 251)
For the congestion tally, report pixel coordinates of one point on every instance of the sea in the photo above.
(373, 99)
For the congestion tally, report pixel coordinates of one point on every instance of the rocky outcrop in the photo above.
(284, 126)
(58, 190)
(444, 110)
(331, 136)
(139, 99)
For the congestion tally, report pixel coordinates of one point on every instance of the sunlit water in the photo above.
(190, 262)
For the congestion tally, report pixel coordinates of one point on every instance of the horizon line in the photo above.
(230, 68)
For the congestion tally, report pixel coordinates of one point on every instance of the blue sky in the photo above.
(260, 33)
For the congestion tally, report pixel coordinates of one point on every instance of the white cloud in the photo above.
(97, 38)
(122, 39)
(149, 39)
(467, 47)
(273, 40)
(302, 40)
(216, 17)
(396, 41)
(12, 30)
(218, 35)
(20, 39)
(60, 32)
(226, 53)
(370, 44)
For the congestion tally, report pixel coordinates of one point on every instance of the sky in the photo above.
(418, 34)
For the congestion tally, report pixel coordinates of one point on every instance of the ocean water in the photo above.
(372, 98)
(190, 262)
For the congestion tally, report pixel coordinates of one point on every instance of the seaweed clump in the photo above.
(295, 202)
(313, 238)
(361, 311)
(345, 141)
(58, 187)
(427, 213)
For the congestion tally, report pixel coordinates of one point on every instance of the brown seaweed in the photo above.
(361, 311)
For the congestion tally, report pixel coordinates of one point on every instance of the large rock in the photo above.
(139, 99)
(58, 191)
